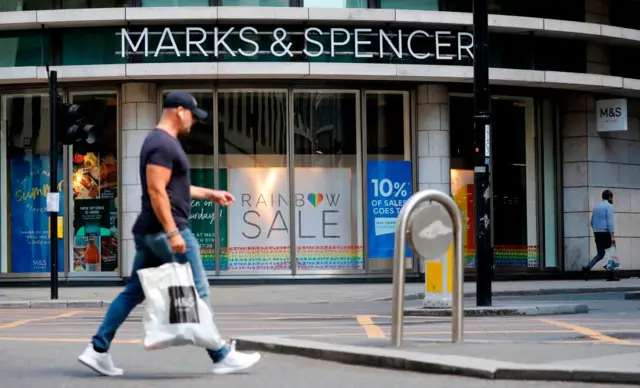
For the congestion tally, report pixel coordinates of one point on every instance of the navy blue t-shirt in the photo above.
(162, 149)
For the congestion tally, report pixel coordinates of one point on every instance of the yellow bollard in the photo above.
(439, 281)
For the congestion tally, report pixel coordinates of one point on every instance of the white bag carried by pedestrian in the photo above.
(613, 263)
(175, 315)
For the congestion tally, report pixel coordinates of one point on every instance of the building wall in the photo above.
(591, 163)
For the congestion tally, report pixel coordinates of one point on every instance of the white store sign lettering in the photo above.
(367, 42)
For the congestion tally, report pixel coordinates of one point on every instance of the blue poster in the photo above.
(29, 185)
(388, 188)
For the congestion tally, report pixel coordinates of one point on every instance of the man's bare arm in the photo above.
(157, 180)
(199, 192)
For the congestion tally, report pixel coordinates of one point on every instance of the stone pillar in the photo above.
(139, 112)
(433, 140)
(591, 163)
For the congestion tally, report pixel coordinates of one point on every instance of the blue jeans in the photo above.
(153, 250)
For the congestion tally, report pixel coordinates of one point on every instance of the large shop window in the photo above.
(389, 172)
(25, 173)
(328, 192)
(514, 180)
(95, 189)
(254, 232)
(198, 144)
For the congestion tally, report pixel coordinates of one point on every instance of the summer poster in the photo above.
(30, 241)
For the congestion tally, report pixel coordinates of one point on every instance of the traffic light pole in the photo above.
(53, 166)
(482, 129)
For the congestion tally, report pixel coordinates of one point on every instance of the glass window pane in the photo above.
(28, 180)
(74, 4)
(336, 3)
(327, 181)
(25, 5)
(256, 3)
(95, 189)
(198, 145)
(252, 130)
(23, 48)
(389, 174)
(425, 5)
(95, 46)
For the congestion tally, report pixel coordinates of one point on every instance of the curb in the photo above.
(632, 296)
(538, 292)
(52, 304)
(559, 309)
(390, 358)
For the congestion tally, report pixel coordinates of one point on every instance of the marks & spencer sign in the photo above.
(278, 43)
(611, 115)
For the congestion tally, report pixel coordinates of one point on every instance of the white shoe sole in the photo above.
(230, 370)
(89, 362)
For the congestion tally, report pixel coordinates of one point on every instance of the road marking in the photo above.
(372, 330)
(49, 318)
(596, 335)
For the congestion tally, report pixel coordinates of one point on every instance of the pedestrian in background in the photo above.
(602, 223)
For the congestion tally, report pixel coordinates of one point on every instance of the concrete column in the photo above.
(139, 114)
(591, 163)
(598, 61)
(433, 151)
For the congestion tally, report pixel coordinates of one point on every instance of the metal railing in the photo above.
(401, 233)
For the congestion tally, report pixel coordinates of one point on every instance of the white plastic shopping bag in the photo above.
(613, 261)
(175, 315)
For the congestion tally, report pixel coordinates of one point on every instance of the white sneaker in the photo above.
(235, 361)
(99, 362)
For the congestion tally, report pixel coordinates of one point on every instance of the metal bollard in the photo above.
(402, 231)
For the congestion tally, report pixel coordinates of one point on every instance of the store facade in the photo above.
(320, 126)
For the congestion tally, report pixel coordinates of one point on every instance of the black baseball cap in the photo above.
(185, 100)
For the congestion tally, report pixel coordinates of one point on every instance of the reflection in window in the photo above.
(28, 180)
(252, 127)
(335, 3)
(327, 182)
(95, 189)
(255, 3)
(23, 48)
(25, 5)
(514, 180)
(425, 5)
(95, 46)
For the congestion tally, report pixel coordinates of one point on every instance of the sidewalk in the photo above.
(601, 363)
(321, 293)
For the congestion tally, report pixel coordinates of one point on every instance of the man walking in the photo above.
(161, 232)
(602, 223)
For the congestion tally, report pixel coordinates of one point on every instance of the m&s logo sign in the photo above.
(611, 115)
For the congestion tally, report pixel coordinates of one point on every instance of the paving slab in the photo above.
(574, 363)
(503, 311)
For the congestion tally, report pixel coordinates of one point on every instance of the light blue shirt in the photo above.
(602, 217)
